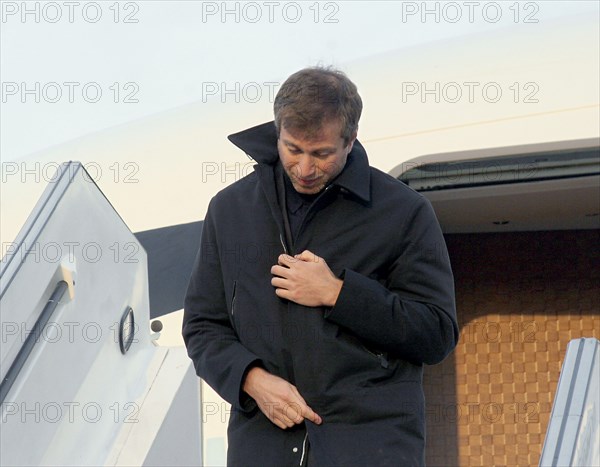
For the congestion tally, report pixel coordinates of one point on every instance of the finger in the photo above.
(293, 412)
(286, 422)
(280, 271)
(297, 394)
(280, 283)
(306, 411)
(278, 418)
(286, 418)
(311, 415)
(286, 260)
(272, 416)
(279, 423)
(283, 293)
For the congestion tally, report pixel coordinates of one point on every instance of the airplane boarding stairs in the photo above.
(573, 434)
(82, 381)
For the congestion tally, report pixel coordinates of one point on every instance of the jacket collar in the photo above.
(260, 143)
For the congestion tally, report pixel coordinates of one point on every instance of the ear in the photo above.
(351, 142)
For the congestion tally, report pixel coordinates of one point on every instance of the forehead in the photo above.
(329, 134)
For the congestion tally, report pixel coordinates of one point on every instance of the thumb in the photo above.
(308, 256)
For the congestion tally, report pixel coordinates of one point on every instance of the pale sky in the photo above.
(72, 68)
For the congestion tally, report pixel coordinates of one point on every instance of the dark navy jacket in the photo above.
(359, 364)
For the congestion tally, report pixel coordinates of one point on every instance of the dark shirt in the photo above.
(297, 205)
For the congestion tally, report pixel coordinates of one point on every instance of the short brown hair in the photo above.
(316, 94)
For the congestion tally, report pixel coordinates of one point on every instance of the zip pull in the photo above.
(283, 244)
(383, 360)
(381, 356)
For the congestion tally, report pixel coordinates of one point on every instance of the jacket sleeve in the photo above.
(218, 356)
(413, 315)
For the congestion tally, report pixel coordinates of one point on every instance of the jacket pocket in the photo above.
(380, 356)
(377, 355)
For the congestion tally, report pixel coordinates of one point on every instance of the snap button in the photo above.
(295, 449)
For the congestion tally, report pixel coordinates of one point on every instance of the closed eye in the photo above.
(293, 149)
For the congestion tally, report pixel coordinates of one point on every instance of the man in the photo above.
(320, 289)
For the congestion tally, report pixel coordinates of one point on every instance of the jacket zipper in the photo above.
(303, 448)
(233, 298)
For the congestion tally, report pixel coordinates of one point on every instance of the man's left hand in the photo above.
(305, 279)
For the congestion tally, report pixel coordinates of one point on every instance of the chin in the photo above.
(306, 190)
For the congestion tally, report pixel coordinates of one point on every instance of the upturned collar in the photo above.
(260, 143)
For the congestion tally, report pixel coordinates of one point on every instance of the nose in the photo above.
(306, 166)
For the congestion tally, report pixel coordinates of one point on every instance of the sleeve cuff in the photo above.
(245, 402)
(352, 300)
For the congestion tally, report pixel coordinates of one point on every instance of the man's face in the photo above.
(312, 162)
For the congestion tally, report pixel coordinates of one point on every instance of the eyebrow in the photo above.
(323, 149)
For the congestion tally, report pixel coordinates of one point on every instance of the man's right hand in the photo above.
(279, 400)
